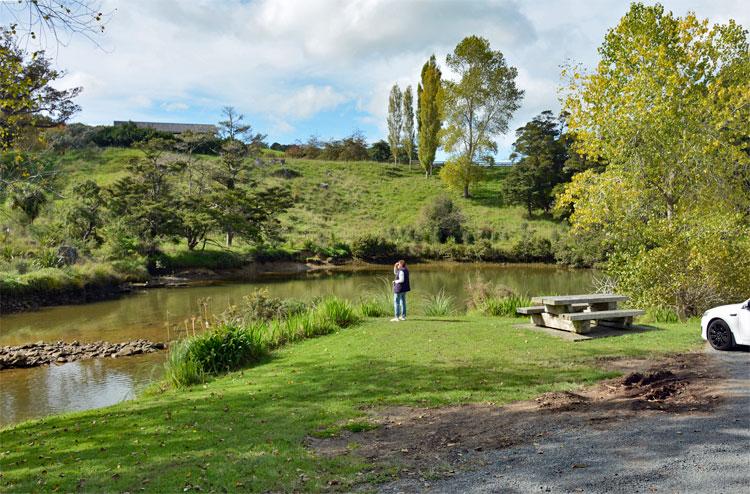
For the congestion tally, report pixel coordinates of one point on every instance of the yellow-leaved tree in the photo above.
(668, 108)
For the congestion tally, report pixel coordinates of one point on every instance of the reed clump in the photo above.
(494, 300)
(240, 337)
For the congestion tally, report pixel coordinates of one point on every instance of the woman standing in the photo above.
(400, 287)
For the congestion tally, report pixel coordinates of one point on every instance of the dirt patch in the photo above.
(435, 442)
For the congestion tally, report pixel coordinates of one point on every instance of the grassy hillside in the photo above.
(360, 197)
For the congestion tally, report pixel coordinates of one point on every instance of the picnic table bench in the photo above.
(580, 313)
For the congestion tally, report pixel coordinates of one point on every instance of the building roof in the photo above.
(173, 128)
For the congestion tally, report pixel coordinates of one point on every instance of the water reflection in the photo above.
(28, 393)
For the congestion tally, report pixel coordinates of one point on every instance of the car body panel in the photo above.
(737, 317)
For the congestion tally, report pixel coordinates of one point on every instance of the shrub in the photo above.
(691, 267)
(207, 259)
(373, 248)
(131, 269)
(305, 325)
(336, 250)
(260, 306)
(441, 220)
(270, 253)
(532, 248)
(439, 304)
(125, 135)
(580, 251)
(46, 258)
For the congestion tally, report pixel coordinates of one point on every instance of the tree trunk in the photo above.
(230, 237)
(466, 191)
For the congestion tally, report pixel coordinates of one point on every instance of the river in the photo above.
(154, 314)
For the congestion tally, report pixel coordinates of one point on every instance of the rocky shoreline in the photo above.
(41, 353)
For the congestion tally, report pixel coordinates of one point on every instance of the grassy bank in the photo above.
(246, 430)
(79, 283)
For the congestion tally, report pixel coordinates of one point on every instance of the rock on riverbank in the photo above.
(40, 353)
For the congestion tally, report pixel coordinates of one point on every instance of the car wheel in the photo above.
(719, 335)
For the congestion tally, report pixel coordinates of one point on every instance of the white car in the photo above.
(727, 325)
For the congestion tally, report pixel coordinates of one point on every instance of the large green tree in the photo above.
(667, 107)
(540, 153)
(479, 105)
(429, 119)
(395, 120)
(145, 198)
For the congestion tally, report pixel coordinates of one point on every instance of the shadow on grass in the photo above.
(248, 428)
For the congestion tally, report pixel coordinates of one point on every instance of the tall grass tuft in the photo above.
(337, 311)
(237, 342)
(504, 306)
(662, 315)
(222, 349)
(373, 307)
(181, 369)
(494, 300)
(439, 304)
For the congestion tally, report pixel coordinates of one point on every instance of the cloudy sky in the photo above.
(297, 68)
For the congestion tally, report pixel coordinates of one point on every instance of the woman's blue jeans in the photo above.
(399, 304)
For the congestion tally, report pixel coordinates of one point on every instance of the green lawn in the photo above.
(245, 431)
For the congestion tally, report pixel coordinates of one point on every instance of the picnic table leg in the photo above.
(555, 322)
(536, 320)
(557, 309)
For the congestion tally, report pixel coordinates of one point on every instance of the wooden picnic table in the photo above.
(580, 313)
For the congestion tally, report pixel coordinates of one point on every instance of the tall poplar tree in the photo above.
(428, 114)
(408, 137)
(395, 120)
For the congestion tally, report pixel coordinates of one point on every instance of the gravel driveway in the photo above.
(656, 453)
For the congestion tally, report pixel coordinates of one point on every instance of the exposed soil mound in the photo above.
(425, 442)
(564, 400)
(636, 378)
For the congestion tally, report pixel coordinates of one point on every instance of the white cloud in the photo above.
(309, 100)
(280, 126)
(286, 61)
(175, 106)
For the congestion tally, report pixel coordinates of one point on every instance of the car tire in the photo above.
(719, 335)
